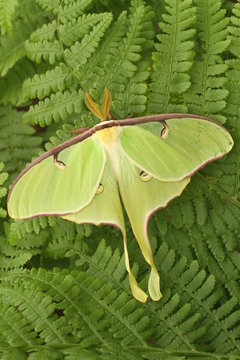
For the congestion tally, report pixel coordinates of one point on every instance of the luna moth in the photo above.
(145, 161)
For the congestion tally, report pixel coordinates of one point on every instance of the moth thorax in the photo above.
(109, 135)
(110, 139)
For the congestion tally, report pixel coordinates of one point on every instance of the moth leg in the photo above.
(58, 163)
(164, 131)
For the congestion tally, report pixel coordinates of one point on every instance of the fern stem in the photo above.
(186, 353)
(140, 350)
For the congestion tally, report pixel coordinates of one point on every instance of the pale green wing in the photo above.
(187, 146)
(47, 189)
(105, 208)
(142, 195)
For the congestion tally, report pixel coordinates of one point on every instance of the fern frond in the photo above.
(56, 108)
(207, 95)
(14, 331)
(11, 85)
(52, 5)
(177, 315)
(43, 44)
(12, 48)
(29, 8)
(65, 292)
(202, 224)
(232, 182)
(45, 32)
(67, 41)
(81, 51)
(7, 11)
(200, 206)
(112, 264)
(115, 72)
(118, 70)
(38, 310)
(133, 99)
(12, 259)
(17, 142)
(66, 235)
(90, 307)
(110, 44)
(19, 229)
(197, 289)
(173, 59)
(130, 72)
(52, 81)
(210, 211)
(77, 56)
(234, 31)
(124, 67)
(72, 9)
(77, 28)
(50, 51)
(112, 267)
(219, 210)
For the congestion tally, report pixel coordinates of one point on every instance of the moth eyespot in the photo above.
(145, 176)
(100, 189)
(164, 131)
(58, 163)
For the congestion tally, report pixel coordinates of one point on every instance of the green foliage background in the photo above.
(64, 291)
